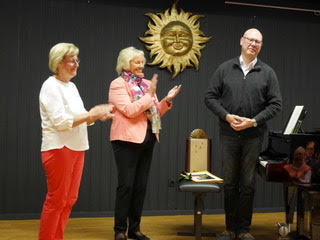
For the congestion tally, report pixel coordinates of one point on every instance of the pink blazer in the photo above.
(130, 121)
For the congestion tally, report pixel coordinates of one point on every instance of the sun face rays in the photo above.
(174, 40)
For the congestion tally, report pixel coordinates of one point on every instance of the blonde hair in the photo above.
(125, 56)
(58, 52)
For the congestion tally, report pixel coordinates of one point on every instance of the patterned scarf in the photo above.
(138, 89)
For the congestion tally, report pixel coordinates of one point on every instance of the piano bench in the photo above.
(199, 191)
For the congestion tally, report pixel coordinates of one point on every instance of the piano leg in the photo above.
(290, 198)
(308, 214)
(290, 202)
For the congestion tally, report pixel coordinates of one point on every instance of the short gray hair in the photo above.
(58, 52)
(125, 56)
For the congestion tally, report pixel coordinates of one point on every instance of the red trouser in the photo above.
(63, 168)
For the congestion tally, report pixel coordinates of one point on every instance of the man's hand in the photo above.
(233, 119)
(239, 123)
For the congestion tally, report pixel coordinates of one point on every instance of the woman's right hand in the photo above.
(101, 112)
(153, 86)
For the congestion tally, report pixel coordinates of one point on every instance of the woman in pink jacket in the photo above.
(135, 128)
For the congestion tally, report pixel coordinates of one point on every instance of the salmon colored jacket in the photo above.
(130, 120)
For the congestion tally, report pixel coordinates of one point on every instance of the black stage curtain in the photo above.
(101, 29)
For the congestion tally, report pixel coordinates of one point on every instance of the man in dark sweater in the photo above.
(244, 93)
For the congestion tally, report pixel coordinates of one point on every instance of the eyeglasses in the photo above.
(74, 61)
(251, 40)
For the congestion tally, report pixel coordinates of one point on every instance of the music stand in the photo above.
(294, 123)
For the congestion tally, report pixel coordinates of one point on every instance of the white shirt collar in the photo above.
(247, 67)
(250, 65)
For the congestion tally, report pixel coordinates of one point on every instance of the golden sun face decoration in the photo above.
(175, 40)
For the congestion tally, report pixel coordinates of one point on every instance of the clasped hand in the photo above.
(239, 123)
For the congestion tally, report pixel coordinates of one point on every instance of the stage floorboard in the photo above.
(156, 227)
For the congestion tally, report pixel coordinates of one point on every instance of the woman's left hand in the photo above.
(173, 93)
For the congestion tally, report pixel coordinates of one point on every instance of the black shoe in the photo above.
(120, 236)
(138, 236)
(246, 236)
(226, 235)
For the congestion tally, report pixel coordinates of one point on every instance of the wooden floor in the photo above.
(156, 227)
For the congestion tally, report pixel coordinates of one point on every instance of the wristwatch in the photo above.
(255, 124)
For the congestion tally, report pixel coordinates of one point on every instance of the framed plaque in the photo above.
(198, 154)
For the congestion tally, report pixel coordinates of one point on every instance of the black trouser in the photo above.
(133, 163)
(239, 155)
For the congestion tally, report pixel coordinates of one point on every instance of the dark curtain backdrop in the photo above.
(101, 29)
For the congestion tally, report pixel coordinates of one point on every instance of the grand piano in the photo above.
(279, 152)
(271, 168)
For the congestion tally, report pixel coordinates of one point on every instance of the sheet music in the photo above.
(293, 120)
(263, 163)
